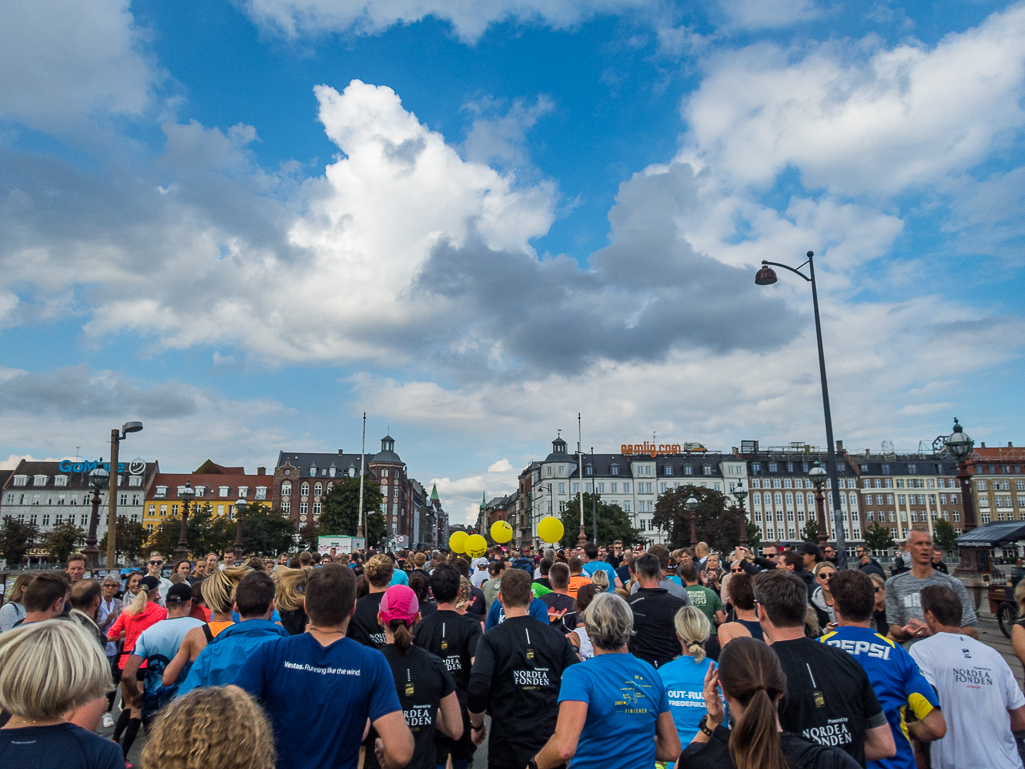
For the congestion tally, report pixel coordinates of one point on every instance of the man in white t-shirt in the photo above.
(480, 574)
(153, 567)
(977, 690)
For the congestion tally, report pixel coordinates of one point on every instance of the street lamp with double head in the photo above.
(98, 478)
(115, 442)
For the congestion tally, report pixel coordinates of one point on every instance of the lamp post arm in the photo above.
(796, 271)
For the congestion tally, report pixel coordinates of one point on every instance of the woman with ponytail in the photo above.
(684, 677)
(290, 597)
(140, 614)
(425, 687)
(752, 683)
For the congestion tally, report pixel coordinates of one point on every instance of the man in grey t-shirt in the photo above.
(903, 603)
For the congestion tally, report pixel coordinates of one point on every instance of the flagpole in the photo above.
(362, 459)
(580, 461)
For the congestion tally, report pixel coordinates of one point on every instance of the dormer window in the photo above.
(161, 492)
(20, 480)
(332, 470)
(261, 492)
(60, 480)
(243, 491)
(706, 469)
(668, 469)
(313, 469)
(224, 491)
(200, 491)
(614, 469)
(688, 470)
(40, 480)
(590, 470)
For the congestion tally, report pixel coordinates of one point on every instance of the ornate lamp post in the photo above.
(741, 494)
(240, 507)
(766, 276)
(115, 442)
(186, 495)
(692, 506)
(97, 480)
(818, 479)
(973, 559)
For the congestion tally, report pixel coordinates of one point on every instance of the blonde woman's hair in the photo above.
(140, 601)
(609, 621)
(600, 580)
(291, 588)
(693, 628)
(225, 728)
(218, 590)
(20, 582)
(465, 594)
(379, 570)
(48, 668)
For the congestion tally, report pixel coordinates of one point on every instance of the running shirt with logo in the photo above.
(903, 598)
(976, 689)
(318, 698)
(829, 698)
(562, 611)
(897, 682)
(157, 645)
(624, 697)
(516, 677)
(684, 680)
(364, 627)
(799, 753)
(421, 682)
(707, 600)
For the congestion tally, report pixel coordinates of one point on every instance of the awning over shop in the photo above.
(993, 534)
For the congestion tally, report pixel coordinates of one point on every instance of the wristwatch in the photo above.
(476, 728)
(532, 763)
(703, 726)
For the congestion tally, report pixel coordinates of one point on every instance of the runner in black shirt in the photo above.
(829, 698)
(421, 680)
(453, 637)
(516, 676)
(363, 627)
(562, 609)
(654, 609)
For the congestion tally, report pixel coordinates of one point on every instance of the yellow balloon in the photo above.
(501, 532)
(550, 529)
(476, 545)
(457, 542)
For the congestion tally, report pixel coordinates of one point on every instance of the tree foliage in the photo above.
(810, 532)
(308, 534)
(944, 536)
(339, 516)
(878, 537)
(754, 535)
(62, 540)
(265, 531)
(613, 523)
(15, 540)
(204, 532)
(715, 523)
(129, 540)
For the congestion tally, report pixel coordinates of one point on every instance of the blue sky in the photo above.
(247, 223)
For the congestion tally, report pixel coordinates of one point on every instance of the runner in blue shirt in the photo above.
(910, 703)
(320, 688)
(593, 565)
(612, 705)
(684, 677)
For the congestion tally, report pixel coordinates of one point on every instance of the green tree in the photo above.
(308, 534)
(716, 524)
(878, 537)
(265, 531)
(62, 540)
(943, 535)
(129, 541)
(204, 533)
(15, 540)
(754, 535)
(339, 517)
(810, 532)
(613, 523)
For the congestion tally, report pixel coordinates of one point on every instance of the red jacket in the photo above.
(132, 626)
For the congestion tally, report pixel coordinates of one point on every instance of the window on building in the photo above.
(626, 487)
(316, 508)
(589, 470)
(39, 480)
(304, 508)
(286, 489)
(318, 489)
(614, 470)
(46, 519)
(20, 480)
(261, 492)
(286, 507)
(626, 505)
(562, 488)
(688, 470)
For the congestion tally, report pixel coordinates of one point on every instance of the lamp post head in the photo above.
(187, 493)
(765, 276)
(130, 427)
(959, 443)
(691, 503)
(98, 478)
(740, 492)
(817, 475)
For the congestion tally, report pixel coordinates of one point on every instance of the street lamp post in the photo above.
(594, 502)
(97, 479)
(182, 552)
(818, 479)
(741, 494)
(766, 276)
(692, 506)
(240, 507)
(961, 446)
(115, 441)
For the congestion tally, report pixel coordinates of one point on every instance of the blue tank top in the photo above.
(753, 627)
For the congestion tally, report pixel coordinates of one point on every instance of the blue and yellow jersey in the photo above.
(898, 683)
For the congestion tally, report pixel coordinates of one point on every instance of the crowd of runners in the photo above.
(590, 657)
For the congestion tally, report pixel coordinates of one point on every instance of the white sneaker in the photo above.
(108, 721)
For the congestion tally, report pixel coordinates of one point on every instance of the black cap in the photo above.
(150, 583)
(811, 549)
(179, 593)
